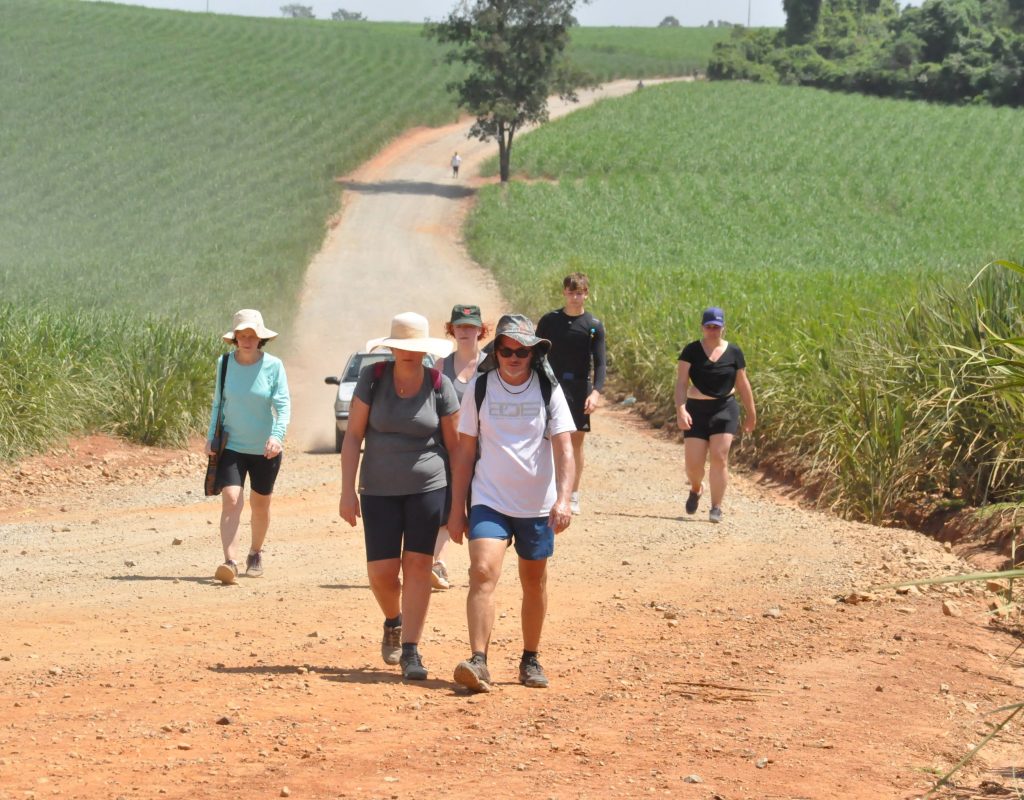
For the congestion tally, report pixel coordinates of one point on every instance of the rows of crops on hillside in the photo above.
(839, 232)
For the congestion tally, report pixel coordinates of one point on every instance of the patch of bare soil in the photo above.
(751, 659)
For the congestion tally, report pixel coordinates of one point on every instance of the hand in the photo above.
(683, 419)
(749, 423)
(592, 402)
(457, 525)
(273, 448)
(348, 508)
(208, 450)
(560, 516)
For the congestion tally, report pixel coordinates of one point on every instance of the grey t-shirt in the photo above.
(404, 447)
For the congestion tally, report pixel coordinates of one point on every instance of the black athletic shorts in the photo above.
(576, 393)
(414, 518)
(262, 471)
(711, 417)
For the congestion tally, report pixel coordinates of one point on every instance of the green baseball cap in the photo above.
(467, 315)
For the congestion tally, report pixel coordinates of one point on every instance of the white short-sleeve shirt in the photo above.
(515, 474)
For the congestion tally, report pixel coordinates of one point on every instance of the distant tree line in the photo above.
(952, 51)
(298, 11)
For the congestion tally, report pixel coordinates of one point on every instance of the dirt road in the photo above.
(687, 659)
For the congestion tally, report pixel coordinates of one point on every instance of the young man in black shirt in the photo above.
(577, 357)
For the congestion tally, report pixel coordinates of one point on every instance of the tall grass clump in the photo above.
(67, 373)
(840, 252)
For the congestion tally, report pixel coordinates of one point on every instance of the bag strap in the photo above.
(435, 381)
(546, 389)
(220, 393)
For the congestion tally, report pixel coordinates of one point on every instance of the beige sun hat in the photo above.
(248, 319)
(411, 331)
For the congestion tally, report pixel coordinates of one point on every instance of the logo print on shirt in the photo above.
(528, 410)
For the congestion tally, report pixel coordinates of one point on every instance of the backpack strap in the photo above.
(435, 381)
(546, 389)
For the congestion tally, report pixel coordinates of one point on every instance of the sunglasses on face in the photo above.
(508, 352)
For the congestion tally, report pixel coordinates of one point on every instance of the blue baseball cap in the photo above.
(713, 316)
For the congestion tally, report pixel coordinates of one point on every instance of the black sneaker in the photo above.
(531, 674)
(412, 667)
(254, 565)
(474, 675)
(692, 500)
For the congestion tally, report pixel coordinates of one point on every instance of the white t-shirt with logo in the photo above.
(515, 474)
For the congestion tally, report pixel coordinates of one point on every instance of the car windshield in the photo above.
(360, 360)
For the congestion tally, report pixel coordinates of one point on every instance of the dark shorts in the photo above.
(262, 471)
(712, 417)
(393, 523)
(576, 394)
(533, 537)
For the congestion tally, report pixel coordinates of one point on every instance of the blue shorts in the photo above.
(533, 537)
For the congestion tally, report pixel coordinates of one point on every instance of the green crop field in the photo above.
(641, 52)
(840, 234)
(176, 165)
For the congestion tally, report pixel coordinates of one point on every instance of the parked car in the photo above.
(346, 383)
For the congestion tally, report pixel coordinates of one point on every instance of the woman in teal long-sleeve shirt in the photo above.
(256, 408)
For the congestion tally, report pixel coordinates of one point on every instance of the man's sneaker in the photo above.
(532, 674)
(254, 565)
(391, 644)
(412, 667)
(692, 501)
(226, 572)
(574, 503)
(474, 675)
(439, 576)
(715, 514)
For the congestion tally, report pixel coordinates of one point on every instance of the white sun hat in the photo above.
(248, 319)
(411, 331)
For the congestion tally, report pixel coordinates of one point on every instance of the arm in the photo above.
(599, 355)
(358, 416)
(218, 399)
(282, 404)
(683, 418)
(463, 457)
(565, 473)
(747, 396)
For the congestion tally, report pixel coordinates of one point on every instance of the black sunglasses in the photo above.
(508, 352)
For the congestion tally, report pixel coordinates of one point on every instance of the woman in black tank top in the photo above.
(711, 372)
(468, 329)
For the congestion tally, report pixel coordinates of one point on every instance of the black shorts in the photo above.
(576, 394)
(233, 467)
(712, 417)
(414, 518)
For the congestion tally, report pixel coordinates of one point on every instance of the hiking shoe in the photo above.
(715, 514)
(532, 674)
(439, 576)
(474, 675)
(574, 503)
(391, 644)
(254, 565)
(412, 668)
(692, 501)
(226, 573)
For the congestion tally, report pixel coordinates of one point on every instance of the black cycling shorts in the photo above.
(711, 417)
(414, 518)
(262, 471)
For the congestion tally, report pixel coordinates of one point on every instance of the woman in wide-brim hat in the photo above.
(256, 408)
(407, 415)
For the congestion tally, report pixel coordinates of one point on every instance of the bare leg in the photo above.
(577, 454)
(259, 508)
(415, 594)
(533, 575)
(232, 503)
(386, 585)
(695, 453)
(441, 544)
(485, 557)
(718, 474)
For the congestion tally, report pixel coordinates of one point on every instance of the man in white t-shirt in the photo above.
(520, 490)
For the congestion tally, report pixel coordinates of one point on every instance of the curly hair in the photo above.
(485, 330)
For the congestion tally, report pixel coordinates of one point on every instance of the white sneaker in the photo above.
(574, 503)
